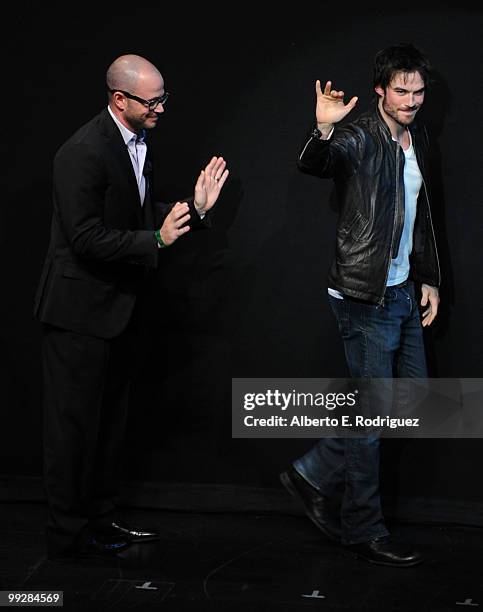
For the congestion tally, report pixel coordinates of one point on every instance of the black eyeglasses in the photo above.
(151, 104)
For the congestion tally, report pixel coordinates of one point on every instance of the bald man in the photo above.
(107, 233)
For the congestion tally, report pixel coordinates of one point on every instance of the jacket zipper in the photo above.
(303, 150)
(381, 301)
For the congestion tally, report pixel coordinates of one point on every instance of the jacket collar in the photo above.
(108, 127)
(116, 143)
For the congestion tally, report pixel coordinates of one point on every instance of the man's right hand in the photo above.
(171, 229)
(330, 107)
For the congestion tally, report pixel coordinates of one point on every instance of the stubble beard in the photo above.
(389, 110)
(141, 123)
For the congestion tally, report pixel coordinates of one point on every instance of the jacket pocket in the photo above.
(356, 227)
(69, 271)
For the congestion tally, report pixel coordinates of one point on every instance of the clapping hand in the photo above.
(209, 184)
(174, 224)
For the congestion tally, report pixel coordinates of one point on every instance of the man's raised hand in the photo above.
(330, 107)
(209, 184)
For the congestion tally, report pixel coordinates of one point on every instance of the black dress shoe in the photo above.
(93, 546)
(102, 546)
(384, 551)
(134, 532)
(315, 504)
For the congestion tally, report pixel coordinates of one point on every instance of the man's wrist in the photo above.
(199, 210)
(325, 130)
(159, 240)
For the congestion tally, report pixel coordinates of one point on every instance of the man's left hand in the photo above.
(209, 184)
(431, 295)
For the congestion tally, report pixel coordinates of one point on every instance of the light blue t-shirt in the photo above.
(399, 270)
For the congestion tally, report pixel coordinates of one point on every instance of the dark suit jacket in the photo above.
(102, 241)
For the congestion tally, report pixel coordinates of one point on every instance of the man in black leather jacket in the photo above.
(385, 244)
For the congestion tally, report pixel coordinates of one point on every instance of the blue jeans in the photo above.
(379, 342)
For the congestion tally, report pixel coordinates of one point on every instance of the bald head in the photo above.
(130, 72)
(132, 83)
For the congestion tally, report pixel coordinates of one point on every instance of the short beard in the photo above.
(139, 123)
(394, 116)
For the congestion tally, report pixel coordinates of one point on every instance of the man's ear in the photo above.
(379, 90)
(119, 100)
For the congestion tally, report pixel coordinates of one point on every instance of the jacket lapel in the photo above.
(147, 206)
(119, 150)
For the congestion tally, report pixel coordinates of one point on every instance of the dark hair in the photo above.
(403, 57)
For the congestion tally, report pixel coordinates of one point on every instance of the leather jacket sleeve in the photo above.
(338, 156)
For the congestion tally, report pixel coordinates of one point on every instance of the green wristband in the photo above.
(157, 233)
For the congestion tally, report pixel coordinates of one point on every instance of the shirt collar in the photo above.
(126, 134)
(410, 139)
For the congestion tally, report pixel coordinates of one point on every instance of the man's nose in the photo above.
(410, 99)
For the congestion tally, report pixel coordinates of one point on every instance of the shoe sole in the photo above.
(292, 489)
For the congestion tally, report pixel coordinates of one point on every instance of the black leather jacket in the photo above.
(367, 166)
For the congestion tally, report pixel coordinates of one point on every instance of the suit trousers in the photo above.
(85, 400)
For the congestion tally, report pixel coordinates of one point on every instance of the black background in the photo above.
(247, 298)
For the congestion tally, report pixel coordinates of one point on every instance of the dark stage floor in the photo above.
(245, 562)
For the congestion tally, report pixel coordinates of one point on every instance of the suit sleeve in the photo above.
(161, 210)
(80, 184)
